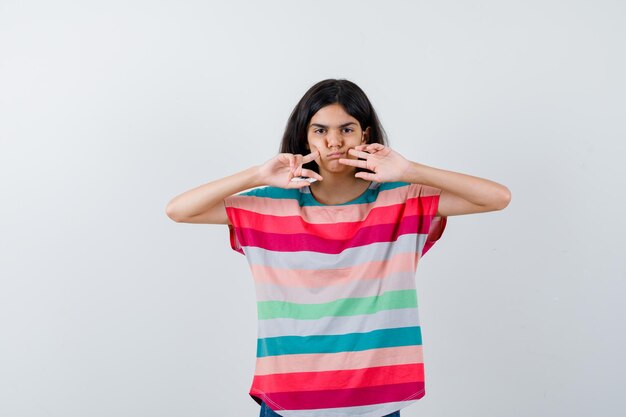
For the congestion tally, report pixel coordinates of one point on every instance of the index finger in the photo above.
(310, 157)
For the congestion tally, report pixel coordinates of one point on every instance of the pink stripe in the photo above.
(314, 278)
(315, 400)
(421, 190)
(342, 379)
(387, 215)
(249, 219)
(281, 242)
(350, 289)
(343, 360)
(329, 214)
(437, 226)
(315, 214)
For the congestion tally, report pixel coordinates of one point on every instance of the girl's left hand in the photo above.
(387, 164)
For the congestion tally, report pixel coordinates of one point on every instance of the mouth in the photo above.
(335, 155)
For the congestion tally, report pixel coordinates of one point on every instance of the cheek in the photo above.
(313, 144)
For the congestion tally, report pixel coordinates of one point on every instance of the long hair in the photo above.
(330, 91)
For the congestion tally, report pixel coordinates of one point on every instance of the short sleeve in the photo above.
(430, 225)
(435, 230)
(232, 204)
(238, 206)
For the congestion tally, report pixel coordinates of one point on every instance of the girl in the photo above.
(333, 231)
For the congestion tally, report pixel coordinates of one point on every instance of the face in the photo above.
(333, 131)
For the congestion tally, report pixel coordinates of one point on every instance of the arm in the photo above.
(205, 204)
(460, 193)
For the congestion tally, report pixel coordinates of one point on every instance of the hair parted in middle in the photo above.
(326, 92)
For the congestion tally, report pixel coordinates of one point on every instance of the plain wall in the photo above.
(110, 109)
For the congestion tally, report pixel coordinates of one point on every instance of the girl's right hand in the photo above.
(279, 170)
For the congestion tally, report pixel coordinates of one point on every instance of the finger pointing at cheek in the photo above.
(351, 162)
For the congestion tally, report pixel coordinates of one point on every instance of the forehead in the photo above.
(332, 114)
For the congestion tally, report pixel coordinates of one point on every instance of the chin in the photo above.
(340, 171)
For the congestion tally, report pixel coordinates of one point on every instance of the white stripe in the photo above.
(376, 410)
(386, 319)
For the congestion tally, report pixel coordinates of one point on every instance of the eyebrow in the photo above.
(324, 127)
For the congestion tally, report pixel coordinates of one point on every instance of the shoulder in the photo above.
(271, 192)
(421, 190)
(412, 190)
(259, 193)
(396, 185)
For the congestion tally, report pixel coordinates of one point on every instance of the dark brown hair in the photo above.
(326, 92)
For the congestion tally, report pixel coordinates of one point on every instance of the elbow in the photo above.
(504, 198)
(170, 211)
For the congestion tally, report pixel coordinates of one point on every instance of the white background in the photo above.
(110, 109)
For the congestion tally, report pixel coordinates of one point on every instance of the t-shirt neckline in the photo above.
(308, 187)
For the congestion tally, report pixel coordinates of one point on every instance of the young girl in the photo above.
(333, 231)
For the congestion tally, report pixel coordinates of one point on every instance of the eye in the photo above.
(348, 130)
(319, 130)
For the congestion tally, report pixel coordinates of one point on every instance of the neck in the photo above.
(338, 188)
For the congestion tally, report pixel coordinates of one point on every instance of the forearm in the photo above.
(477, 190)
(200, 199)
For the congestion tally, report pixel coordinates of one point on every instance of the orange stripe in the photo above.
(317, 362)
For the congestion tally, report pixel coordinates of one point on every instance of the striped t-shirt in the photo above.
(338, 326)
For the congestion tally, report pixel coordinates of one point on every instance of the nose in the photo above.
(333, 138)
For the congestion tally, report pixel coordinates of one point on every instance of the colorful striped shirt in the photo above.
(338, 325)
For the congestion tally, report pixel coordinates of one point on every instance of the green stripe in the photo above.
(342, 307)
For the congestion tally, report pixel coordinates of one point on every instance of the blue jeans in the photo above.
(268, 412)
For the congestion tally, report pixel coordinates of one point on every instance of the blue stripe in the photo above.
(383, 338)
(273, 192)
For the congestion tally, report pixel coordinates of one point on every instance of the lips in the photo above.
(335, 155)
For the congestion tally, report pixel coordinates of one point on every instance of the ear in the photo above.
(366, 135)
